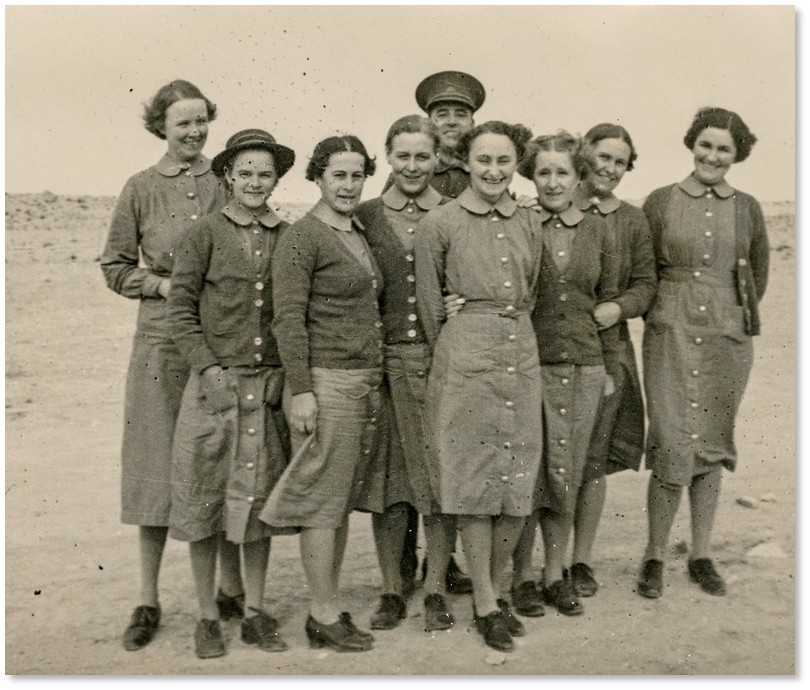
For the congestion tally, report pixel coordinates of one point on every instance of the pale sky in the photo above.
(76, 77)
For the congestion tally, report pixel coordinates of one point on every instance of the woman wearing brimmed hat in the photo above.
(231, 441)
(326, 284)
(156, 205)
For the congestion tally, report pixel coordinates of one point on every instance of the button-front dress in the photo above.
(154, 208)
(697, 355)
(484, 397)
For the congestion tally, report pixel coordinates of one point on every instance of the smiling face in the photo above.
(252, 177)
(555, 179)
(609, 161)
(452, 120)
(412, 159)
(342, 181)
(714, 152)
(492, 162)
(185, 127)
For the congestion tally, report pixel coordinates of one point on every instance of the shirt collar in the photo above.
(693, 187)
(570, 216)
(334, 219)
(447, 162)
(241, 216)
(169, 167)
(505, 205)
(393, 198)
(605, 206)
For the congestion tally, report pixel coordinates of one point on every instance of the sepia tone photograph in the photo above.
(452, 340)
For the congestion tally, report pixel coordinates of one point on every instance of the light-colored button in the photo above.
(709, 214)
(557, 225)
(188, 174)
(507, 445)
(695, 372)
(694, 437)
(410, 209)
(560, 470)
(509, 404)
(251, 431)
(411, 278)
(258, 302)
(504, 259)
(259, 285)
(409, 231)
(412, 333)
(366, 452)
(561, 253)
(708, 233)
(250, 396)
(507, 283)
(412, 317)
(510, 308)
(562, 281)
(702, 307)
(708, 192)
(255, 231)
(409, 257)
(374, 283)
(698, 341)
(411, 300)
(257, 357)
(564, 382)
(510, 370)
(250, 465)
(563, 297)
(504, 477)
(706, 257)
(512, 338)
(693, 405)
(378, 324)
(697, 274)
(373, 420)
(499, 236)
(194, 216)
(495, 219)
(257, 341)
(564, 354)
(596, 210)
(250, 499)
(562, 442)
(563, 411)
(190, 195)
(258, 252)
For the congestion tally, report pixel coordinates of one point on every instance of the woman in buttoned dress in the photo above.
(231, 440)
(154, 208)
(618, 436)
(711, 249)
(326, 286)
(484, 391)
(391, 223)
(573, 280)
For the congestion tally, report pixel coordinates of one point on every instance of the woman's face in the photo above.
(185, 126)
(252, 177)
(555, 179)
(342, 181)
(609, 161)
(412, 159)
(714, 152)
(492, 161)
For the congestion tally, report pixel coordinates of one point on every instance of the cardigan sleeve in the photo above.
(643, 281)
(119, 262)
(430, 251)
(760, 252)
(294, 261)
(191, 264)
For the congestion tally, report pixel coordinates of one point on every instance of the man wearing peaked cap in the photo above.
(450, 99)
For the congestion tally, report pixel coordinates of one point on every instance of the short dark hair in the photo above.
(337, 144)
(154, 112)
(562, 142)
(412, 124)
(721, 118)
(517, 134)
(608, 130)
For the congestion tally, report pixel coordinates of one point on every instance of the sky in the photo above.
(77, 76)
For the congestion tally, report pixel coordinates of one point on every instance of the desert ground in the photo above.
(72, 568)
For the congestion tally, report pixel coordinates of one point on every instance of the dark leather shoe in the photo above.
(495, 630)
(142, 627)
(335, 636)
(702, 571)
(437, 615)
(651, 581)
(585, 583)
(230, 607)
(456, 582)
(561, 595)
(346, 619)
(262, 630)
(516, 628)
(527, 600)
(208, 642)
(391, 611)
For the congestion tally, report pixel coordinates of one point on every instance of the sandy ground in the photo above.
(71, 567)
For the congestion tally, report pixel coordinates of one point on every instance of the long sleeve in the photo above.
(760, 249)
(293, 265)
(429, 254)
(119, 262)
(643, 281)
(188, 278)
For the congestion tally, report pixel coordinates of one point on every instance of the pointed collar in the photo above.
(505, 205)
(395, 199)
(605, 206)
(570, 216)
(241, 216)
(334, 219)
(169, 167)
(695, 188)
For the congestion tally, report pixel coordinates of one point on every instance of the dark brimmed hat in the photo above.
(450, 86)
(254, 139)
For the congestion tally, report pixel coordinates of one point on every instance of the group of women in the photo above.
(468, 357)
